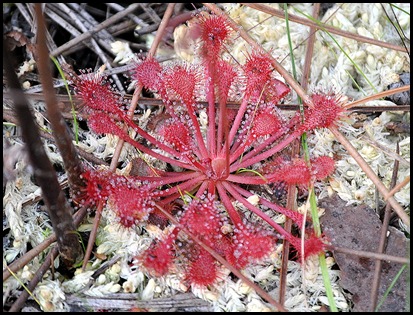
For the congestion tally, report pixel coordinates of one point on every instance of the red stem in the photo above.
(166, 180)
(257, 149)
(292, 124)
(251, 180)
(202, 189)
(237, 120)
(197, 129)
(148, 137)
(266, 154)
(297, 217)
(211, 141)
(122, 134)
(232, 212)
(176, 191)
(232, 190)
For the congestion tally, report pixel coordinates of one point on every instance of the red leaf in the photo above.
(158, 258)
(203, 270)
(147, 73)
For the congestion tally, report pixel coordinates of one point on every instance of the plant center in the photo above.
(219, 167)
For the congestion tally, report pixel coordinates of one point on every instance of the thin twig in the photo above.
(117, 7)
(398, 28)
(365, 254)
(104, 38)
(31, 21)
(378, 96)
(28, 257)
(67, 26)
(291, 204)
(64, 143)
(310, 49)
(32, 94)
(93, 233)
(24, 13)
(151, 13)
(397, 187)
(9, 116)
(292, 190)
(124, 27)
(382, 243)
(313, 30)
(59, 209)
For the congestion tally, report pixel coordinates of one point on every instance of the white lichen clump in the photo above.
(51, 296)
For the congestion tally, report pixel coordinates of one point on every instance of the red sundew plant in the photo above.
(214, 162)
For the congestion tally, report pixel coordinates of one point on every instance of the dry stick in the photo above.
(234, 105)
(314, 31)
(131, 111)
(397, 188)
(68, 27)
(377, 96)
(382, 243)
(333, 30)
(256, 47)
(133, 17)
(370, 174)
(310, 49)
(50, 42)
(151, 13)
(304, 84)
(93, 233)
(18, 304)
(61, 218)
(398, 28)
(24, 13)
(104, 38)
(158, 102)
(361, 253)
(64, 142)
(219, 258)
(124, 27)
(55, 200)
(49, 10)
(95, 29)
